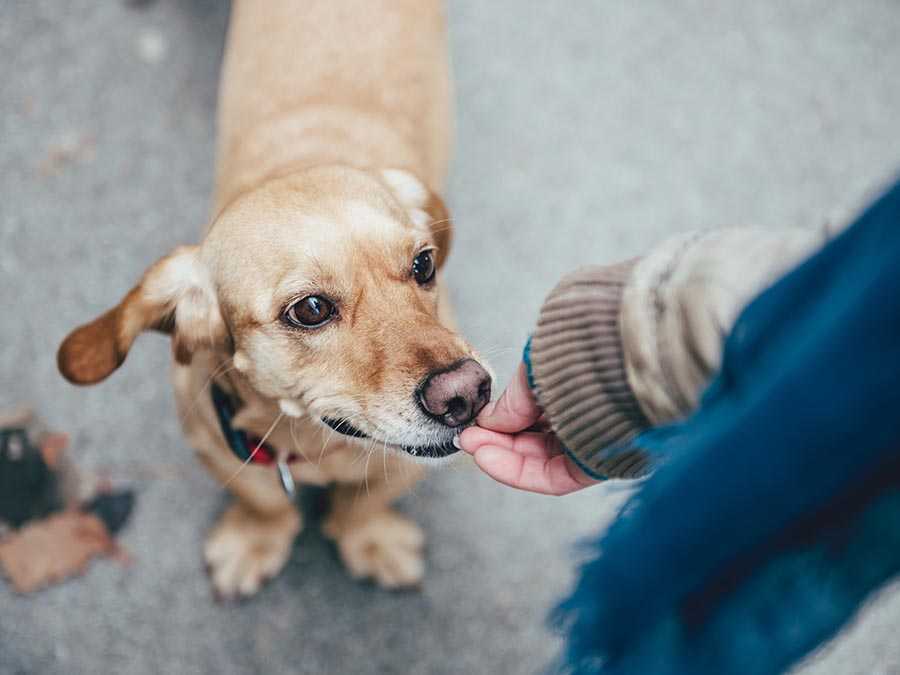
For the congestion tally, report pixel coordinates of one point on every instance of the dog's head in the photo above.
(323, 286)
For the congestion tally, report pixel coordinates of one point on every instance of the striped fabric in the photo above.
(578, 372)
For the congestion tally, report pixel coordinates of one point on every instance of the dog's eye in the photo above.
(423, 267)
(313, 311)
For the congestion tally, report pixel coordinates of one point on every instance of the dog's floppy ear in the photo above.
(174, 296)
(424, 207)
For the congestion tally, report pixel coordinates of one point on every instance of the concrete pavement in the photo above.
(586, 131)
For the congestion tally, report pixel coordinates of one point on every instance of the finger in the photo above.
(515, 410)
(555, 476)
(534, 444)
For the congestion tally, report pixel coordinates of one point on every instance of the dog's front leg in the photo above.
(373, 539)
(253, 538)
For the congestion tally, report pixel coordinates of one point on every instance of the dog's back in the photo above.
(357, 82)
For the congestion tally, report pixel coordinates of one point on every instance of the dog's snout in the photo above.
(454, 396)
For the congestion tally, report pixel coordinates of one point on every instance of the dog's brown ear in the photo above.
(425, 207)
(175, 296)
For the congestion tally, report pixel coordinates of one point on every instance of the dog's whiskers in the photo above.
(295, 441)
(348, 419)
(366, 468)
(370, 443)
(440, 222)
(367, 453)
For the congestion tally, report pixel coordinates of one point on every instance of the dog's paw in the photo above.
(245, 550)
(386, 548)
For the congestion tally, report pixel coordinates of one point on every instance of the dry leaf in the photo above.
(53, 549)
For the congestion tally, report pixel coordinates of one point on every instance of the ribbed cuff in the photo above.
(577, 370)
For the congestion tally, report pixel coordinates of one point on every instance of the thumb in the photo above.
(515, 410)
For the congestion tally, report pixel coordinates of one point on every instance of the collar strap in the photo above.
(243, 446)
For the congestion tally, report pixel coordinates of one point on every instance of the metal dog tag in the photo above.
(287, 480)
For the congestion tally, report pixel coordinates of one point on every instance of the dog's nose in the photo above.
(455, 395)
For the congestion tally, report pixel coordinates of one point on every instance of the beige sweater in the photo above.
(620, 349)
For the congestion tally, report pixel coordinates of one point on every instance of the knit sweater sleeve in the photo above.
(623, 348)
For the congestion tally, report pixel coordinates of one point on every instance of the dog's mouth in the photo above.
(344, 428)
(426, 451)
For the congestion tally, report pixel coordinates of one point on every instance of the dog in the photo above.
(310, 327)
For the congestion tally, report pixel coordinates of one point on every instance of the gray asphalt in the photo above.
(586, 132)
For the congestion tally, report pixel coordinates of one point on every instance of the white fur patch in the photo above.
(290, 408)
(176, 274)
(241, 362)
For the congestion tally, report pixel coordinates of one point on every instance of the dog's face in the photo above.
(324, 287)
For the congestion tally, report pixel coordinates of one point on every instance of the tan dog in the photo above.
(313, 303)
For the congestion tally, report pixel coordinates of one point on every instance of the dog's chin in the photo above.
(425, 453)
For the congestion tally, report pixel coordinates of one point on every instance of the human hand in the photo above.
(512, 446)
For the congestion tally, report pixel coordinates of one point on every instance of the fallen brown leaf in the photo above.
(53, 549)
